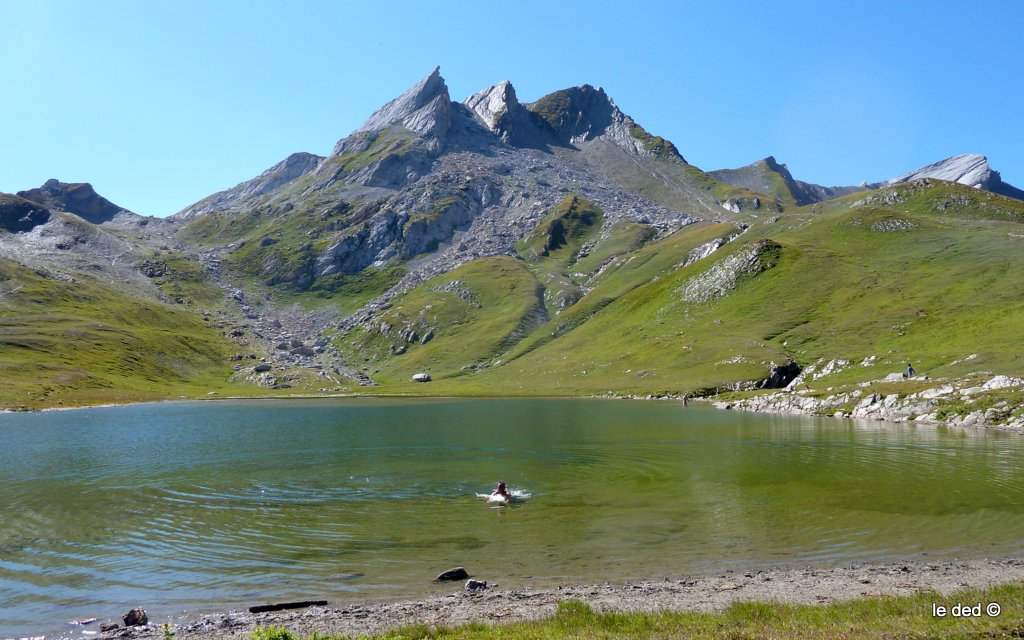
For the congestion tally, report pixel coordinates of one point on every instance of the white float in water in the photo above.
(518, 495)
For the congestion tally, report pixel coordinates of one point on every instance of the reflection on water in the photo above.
(184, 506)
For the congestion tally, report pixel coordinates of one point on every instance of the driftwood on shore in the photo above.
(281, 606)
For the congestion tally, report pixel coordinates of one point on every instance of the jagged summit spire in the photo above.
(429, 94)
(494, 102)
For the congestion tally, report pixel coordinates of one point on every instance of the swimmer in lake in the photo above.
(501, 492)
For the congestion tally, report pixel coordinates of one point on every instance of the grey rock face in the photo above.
(77, 198)
(969, 169)
(412, 224)
(493, 104)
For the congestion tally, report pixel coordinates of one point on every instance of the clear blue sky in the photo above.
(159, 104)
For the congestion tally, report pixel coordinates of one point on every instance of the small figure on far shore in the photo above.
(910, 370)
(686, 399)
(501, 492)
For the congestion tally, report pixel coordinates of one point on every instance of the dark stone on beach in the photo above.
(135, 617)
(281, 606)
(451, 575)
(475, 585)
(109, 626)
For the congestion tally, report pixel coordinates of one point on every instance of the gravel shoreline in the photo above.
(695, 593)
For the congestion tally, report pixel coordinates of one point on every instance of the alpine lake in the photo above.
(193, 507)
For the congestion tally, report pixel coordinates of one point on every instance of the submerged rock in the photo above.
(451, 575)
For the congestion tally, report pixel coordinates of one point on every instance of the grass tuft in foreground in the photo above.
(870, 617)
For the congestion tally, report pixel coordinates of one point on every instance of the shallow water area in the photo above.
(214, 505)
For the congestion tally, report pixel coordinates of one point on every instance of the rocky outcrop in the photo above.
(18, 214)
(722, 278)
(78, 198)
(780, 375)
(950, 402)
(970, 169)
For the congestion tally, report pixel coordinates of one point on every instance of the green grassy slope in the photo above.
(81, 342)
(554, 247)
(459, 320)
(926, 272)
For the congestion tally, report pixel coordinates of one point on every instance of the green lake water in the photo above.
(198, 506)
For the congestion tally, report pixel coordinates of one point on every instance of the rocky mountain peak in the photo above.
(581, 114)
(78, 198)
(578, 113)
(425, 108)
(776, 166)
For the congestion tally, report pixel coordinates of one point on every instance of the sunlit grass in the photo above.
(869, 617)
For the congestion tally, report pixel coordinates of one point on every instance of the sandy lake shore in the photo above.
(695, 593)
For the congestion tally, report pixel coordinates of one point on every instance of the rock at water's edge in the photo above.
(135, 617)
(451, 575)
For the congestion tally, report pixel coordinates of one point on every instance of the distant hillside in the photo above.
(552, 247)
(770, 177)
